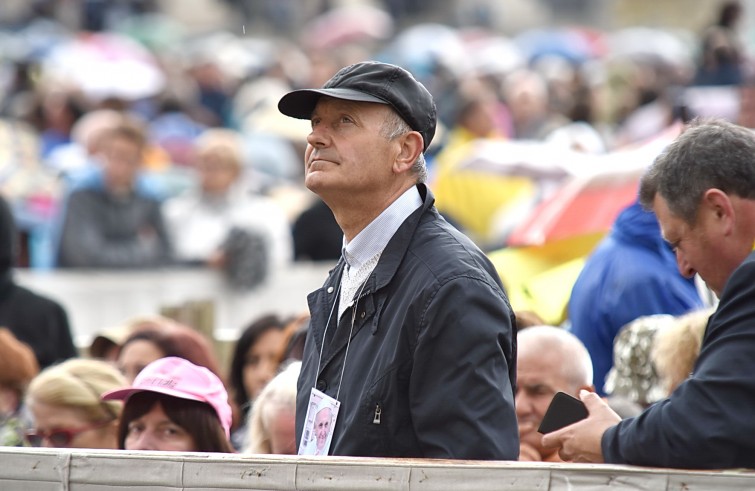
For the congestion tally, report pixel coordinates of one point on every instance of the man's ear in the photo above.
(411, 146)
(720, 209)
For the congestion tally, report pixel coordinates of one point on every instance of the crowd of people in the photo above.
(205, 172)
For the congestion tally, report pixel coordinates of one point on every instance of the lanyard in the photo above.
(351, 330)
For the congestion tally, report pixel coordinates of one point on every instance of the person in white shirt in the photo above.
(200, 221)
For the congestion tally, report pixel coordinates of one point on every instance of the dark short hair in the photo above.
(199, 419)
(710, 153)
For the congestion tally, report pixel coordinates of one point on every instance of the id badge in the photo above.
(322, 412)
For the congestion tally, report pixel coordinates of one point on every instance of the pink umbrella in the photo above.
(354, 23)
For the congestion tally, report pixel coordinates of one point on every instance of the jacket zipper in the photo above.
(378, 414)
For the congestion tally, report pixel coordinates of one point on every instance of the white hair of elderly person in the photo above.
(272, 418)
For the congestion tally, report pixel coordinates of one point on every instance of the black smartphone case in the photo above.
(562, 411)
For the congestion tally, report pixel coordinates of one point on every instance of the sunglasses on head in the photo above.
(60, 437)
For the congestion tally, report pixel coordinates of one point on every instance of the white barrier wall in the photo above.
(80, 470)
(98, 299)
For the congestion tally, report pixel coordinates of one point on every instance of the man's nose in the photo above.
(685, 268)
(522, 405)
(318, 137)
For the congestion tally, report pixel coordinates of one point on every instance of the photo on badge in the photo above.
(322, 412)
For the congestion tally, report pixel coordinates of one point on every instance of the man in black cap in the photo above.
(411, 339)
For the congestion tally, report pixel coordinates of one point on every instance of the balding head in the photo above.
(549, 360)
(548, 341)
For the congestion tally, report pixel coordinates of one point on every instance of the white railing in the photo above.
(89, 470)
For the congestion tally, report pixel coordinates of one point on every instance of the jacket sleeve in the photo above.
(707, 421)
(461, 389)
(64, 343)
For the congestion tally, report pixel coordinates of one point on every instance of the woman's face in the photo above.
(137, 355)
(282, 430)
(217, 172)
(261, 362)
(67, 427)
(155, 431)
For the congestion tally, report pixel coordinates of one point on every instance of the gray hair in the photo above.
(395, 126)
(577, 364)
(710, 153)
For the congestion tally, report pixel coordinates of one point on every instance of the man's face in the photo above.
(698, 247)
(539, 377)
(347, 157)
(322, 427)
(121, 161)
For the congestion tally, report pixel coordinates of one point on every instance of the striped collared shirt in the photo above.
(363, 252)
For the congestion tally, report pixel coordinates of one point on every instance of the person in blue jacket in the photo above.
(702, 189)
(632, 273)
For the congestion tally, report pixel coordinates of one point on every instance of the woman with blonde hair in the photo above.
(272, 420)
(65, 404)
(676, 348)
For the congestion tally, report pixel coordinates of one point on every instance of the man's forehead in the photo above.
(670, 224)
(325, 102)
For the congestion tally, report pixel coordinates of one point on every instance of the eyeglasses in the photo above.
(60, 437)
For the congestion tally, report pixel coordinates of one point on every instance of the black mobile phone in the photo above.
(562, 411)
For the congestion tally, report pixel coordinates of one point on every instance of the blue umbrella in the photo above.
(563, 43)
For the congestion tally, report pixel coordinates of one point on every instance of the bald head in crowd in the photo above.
(549, 360)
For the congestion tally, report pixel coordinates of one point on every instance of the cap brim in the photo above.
(300, 103)
(126, 392)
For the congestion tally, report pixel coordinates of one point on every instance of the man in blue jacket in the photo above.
(702, 188)
(632, 273)
(411, 337)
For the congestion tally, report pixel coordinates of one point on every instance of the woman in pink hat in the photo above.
(174, 405)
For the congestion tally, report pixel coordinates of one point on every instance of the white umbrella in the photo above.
(105, 65)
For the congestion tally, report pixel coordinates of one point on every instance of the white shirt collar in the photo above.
(375, 236)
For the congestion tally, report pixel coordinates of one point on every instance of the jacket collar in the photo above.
(396, 249)
(323, 301)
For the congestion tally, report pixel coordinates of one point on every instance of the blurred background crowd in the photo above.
(144, 134)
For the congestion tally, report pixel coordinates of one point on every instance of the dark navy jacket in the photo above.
(431, 364)
(707, 422)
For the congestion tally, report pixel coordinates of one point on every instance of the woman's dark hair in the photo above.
(197, 418)
(248, 338)
(181, 341)
(156, 337)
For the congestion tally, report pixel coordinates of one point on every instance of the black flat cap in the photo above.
(371, 81)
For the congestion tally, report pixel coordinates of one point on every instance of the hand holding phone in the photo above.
(562, 411)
